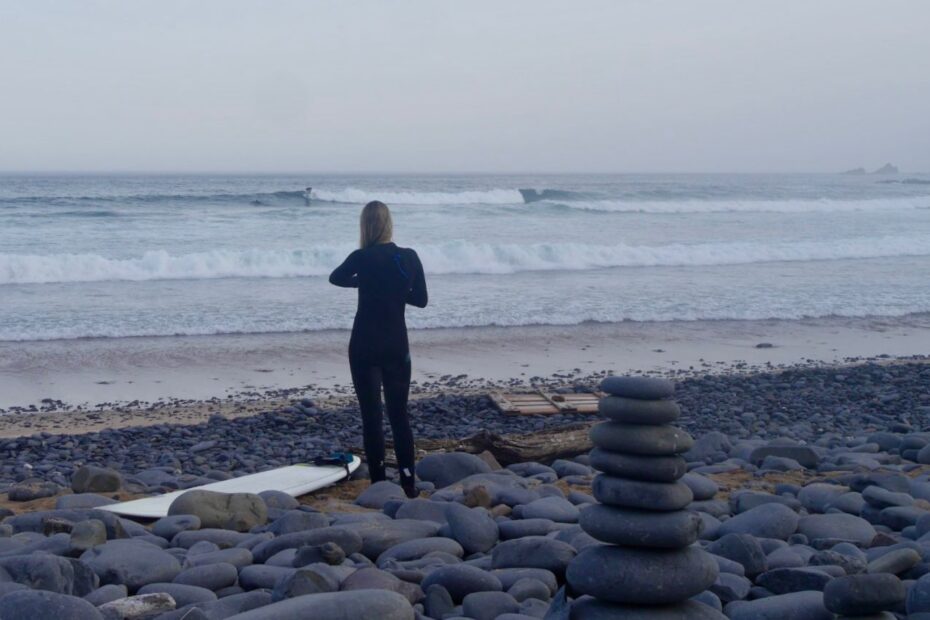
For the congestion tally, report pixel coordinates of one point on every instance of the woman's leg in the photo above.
(367, 381)
(396, 377)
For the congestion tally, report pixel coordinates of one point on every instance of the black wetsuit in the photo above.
(388, 278)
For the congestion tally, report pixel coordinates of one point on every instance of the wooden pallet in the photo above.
(543, 403)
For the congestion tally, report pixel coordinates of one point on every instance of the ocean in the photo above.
(158, 255)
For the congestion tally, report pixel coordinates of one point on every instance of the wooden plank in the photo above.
(560, 405)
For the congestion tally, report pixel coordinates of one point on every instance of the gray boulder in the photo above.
(229, 511)
(41, 604)
(449, 468)
(641, 576)
(91, 479)
(353, 605)
(131, 564)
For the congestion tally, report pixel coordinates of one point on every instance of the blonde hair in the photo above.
(375, 224)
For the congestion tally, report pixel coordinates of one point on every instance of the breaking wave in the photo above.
(460, 257)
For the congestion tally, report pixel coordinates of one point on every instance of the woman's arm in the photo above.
(346, 274)
(418, 296)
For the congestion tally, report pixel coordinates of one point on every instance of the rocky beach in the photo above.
(798, 491)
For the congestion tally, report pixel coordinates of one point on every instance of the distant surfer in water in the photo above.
(388, 278)
(307, 194)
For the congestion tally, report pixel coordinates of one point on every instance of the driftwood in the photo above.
(544, 447)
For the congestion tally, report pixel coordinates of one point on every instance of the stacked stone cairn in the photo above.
(650, 567)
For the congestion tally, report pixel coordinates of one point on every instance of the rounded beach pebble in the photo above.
(633, 411)
(644, 388)
(639, 439)
(641, 576)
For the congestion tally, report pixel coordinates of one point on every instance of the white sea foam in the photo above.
(461, 257)
(352, 195)
(793, 205)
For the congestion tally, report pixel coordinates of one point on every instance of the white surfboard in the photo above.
(294, 480)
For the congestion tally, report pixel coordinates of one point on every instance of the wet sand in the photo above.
(100, 383)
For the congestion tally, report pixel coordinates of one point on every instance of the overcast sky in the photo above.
(496, 86)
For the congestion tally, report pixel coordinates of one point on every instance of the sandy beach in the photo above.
(98, 383)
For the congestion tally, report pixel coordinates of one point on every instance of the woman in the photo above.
(387, 278)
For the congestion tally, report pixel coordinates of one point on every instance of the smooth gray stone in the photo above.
(883, 498)
(42, 571)
(641, 528)
(229, 511)
(423, 510)
(41, 604)
(627, 493)
(649, 468)
(88, 534)
(210, 576)
(438, 602)
(181, 593)
(377, 579)
(131, 563)
(818, 497)
(710, 447)
(634, 411)
(488, 605)
(786, 580)
(473, 528)
(784, 558)
(525, 527)
(588, 608)
(527, 587)
(765, 521)
(553, 508)
(747, 500)
(730, 587)
(169, 527)
(142, 606)
(279, 500)
(379, 604)
(328, 553)
(92, 479)
(533, 552)
(564, 468)
(236, 556)
(350, 540)
(643, 388)
(261, 576)
(223, 539)
(839, 526)
(900, 517)
(850, 503)
(297, 521)
(804, 455)
(460, 580)
(379, 536)
(796, 606)
(743, 549)
(105, 594)
(860, 595)
(448, 468)
(379, 494)
(641, 576)
(850, 564)
(918, 596)
(509, 576)
(780, 463)
(894, 562)
(642, 440)
(303, 582)
(702, 487)
(417, 548)
(80, 501)
(222, 608)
